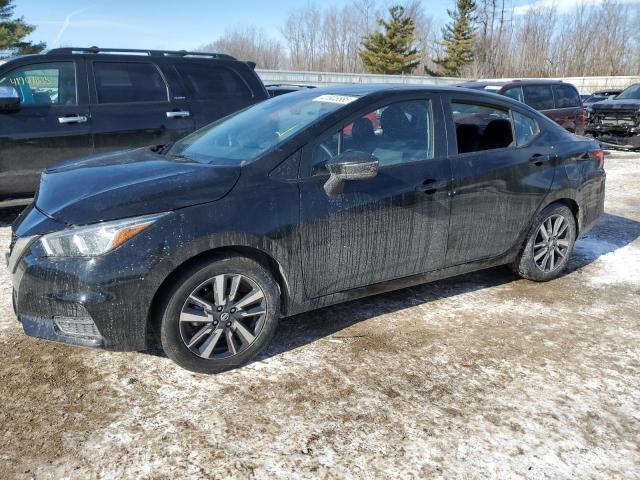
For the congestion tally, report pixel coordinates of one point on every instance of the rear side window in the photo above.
(44, 83)
(206, 82)
(515, 93)
(539, 97)
(129, 82)
(566, 96)
(525, 128)
(479, 127)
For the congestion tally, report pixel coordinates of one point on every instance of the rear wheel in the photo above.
(548, 246)
(219, 314)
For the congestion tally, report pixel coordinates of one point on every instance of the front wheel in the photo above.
(548, 246)
(219, 314)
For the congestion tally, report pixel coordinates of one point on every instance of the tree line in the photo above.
(481, 39)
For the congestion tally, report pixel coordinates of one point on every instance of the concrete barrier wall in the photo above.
(583, 84)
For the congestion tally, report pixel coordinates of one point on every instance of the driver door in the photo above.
(387, 227)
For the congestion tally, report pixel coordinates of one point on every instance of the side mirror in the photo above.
(9, 98)
(350, 165)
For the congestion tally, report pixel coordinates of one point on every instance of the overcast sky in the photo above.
(183, 24)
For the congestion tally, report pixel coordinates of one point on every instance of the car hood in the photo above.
(128, 183)
(624, 104)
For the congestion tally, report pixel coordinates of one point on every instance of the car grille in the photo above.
(618, 118)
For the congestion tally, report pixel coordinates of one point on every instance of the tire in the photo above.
(530, 262)
(193, 313)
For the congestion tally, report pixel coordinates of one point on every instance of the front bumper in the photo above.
(615, 137)
(99, 302)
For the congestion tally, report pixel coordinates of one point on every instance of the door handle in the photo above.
(538, 159)
(179, 114)
(72, 119)
(431, 186)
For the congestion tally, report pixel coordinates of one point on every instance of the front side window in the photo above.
(539, 97)
(397, 133)
(244, 136)
(479, 127)
(566, 96)
(525, 128)
(125, 82)
(516, 93)
(210, 81)
(44, 83)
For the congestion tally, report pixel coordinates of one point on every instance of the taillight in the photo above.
(599, 154)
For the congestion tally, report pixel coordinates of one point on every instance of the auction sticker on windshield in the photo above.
(340, 99)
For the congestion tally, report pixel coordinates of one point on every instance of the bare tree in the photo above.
(591, 39)
(250, 43)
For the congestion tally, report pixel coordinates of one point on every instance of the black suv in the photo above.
(74, 101)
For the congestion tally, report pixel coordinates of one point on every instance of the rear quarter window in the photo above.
(205, 82)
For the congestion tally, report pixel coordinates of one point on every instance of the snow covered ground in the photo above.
(480, 376)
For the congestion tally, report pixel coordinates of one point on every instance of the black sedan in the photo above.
(302, 201)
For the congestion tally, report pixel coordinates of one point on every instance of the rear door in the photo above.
(387, 227)
(569, 108)
(217, 89)
(501, 173)
(133, 106)
(52, 124)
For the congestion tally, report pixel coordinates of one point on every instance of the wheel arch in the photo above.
(572, 205)
(260, 256)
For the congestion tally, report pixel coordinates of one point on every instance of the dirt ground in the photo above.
(479, 376)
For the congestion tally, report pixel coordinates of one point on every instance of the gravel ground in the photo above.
(483, 375)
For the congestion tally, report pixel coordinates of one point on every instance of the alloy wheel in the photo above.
(223, 316)
(552, 243)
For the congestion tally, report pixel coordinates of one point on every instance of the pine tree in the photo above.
(13, 32)
(458, 38)
(391, 51)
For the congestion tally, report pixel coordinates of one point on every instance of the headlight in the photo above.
(97, 239)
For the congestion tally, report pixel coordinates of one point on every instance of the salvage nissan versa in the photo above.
(293, 204)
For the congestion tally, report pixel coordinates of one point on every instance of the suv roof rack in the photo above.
(150, 53)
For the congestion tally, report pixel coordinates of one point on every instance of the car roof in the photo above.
(97, 52)
(608, 90)
(514, 82)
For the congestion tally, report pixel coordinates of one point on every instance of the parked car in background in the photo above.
(558, 100)
(295, 204)
(277, 89)
(78, 101)
(616, 122)
(601, 95)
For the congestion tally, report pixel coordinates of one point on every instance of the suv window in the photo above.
(44, 83)
(127, 82)
(210, 81)
(479, 127)
(539, 97)
(566, 96)
(525, 128)
(515, 93)
(398, 133)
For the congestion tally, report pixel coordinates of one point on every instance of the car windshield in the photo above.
(631, 93)
(244, 136)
